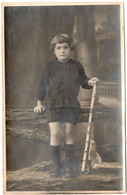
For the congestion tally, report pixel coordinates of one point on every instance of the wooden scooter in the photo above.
(86, 163)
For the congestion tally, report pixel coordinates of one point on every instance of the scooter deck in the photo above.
(108, 165)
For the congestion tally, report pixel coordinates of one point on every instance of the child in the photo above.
(58, 95)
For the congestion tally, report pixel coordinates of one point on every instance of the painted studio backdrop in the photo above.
(28, 33)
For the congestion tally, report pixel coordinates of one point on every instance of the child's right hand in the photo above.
(38, 109)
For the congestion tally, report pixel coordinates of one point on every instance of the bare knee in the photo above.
(69, 133)
(55, 133)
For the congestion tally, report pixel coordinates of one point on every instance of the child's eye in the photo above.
(58, 47)
(66, 47)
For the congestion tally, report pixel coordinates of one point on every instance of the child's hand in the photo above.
(38, 109)
(93, 81)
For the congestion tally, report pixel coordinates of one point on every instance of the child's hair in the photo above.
(61, 38)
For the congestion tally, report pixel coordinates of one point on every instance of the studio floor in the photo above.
(38, 178)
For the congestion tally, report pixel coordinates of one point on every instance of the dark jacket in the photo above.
(60, 84)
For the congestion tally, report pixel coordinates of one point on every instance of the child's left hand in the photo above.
(93, 81)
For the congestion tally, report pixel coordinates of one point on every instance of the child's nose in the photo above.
(62, 49)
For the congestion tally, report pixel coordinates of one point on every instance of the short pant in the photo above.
(63, 114)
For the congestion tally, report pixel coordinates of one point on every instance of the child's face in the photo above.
(62, 52)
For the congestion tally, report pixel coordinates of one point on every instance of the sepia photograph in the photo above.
(63, 98)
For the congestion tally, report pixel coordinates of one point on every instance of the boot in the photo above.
(55, 151)
(70, 160)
